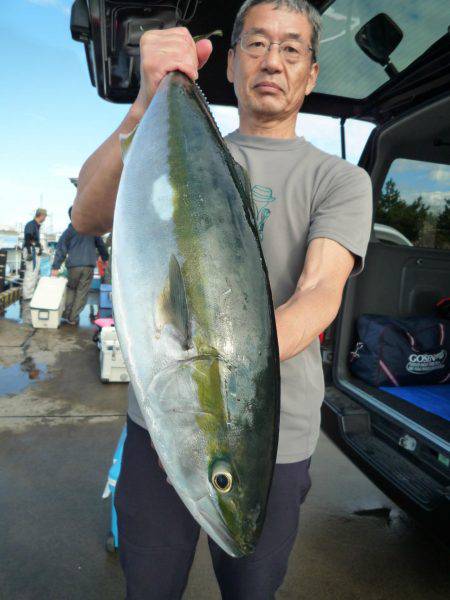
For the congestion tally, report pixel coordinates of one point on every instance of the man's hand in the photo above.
(163, 51)
(54, 272)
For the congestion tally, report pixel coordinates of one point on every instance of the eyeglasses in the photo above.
(257, 45)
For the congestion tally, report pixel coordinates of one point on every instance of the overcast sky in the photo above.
(52, 118)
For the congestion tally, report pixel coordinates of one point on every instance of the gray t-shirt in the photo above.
(300, 193)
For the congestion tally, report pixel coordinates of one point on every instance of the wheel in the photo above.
(110, 544)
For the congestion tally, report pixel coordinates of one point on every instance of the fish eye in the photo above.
(222, 479)
(223, 482)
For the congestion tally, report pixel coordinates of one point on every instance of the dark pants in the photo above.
(78, 286)
(158, 536)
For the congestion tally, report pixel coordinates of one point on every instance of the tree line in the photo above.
(415, 220)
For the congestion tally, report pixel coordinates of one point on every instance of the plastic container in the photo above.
(96, 282)
(47, 303)
(99, 323)
(112, 366)
(105, 295)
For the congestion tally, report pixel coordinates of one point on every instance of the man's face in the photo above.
(268, 87)
(41, 218)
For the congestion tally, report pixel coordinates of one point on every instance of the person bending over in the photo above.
(80, 253)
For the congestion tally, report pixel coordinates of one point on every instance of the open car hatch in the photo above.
(377, 57)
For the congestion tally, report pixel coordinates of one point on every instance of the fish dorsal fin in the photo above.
(206, 36)
(172, 306)
(247, 189)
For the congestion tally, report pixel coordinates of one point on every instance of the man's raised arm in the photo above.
(162, 51)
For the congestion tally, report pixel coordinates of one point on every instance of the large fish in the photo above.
(194, 315)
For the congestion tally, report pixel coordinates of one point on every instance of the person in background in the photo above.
(31, 253)
(81, 252)
(107, 277)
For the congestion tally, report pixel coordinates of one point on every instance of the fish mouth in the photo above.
(218, 531)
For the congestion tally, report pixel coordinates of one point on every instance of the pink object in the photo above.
(388, 373)
(104, 322)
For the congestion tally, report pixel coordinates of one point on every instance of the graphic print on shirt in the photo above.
(262, 197)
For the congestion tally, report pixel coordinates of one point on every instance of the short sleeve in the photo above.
(342, 208)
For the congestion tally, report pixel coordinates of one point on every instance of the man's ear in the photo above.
(230, 65)
(313, 74)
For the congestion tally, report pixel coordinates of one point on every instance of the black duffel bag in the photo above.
(395, 352)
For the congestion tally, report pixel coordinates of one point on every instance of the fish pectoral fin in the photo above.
(172, 306)
(190, 387)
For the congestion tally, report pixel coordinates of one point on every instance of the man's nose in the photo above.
(272, 60)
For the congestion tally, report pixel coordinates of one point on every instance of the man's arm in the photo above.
(161, 51)
(316, 300)
(98, 181)
(62, 249)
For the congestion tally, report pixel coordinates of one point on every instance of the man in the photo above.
(31, 253)
(81, 251)
(314, 217)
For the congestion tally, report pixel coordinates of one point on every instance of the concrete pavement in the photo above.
(58, 429)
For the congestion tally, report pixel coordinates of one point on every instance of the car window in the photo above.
(345, 69)
(414, 205)
(325, 133)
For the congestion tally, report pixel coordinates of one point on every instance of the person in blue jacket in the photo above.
(81, 252)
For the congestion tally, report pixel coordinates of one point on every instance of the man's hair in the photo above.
(40, 212)
(69, 212)
(300, 6)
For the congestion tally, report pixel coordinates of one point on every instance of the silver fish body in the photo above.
(194, 315)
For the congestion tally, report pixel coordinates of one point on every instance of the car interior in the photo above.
(403, 281)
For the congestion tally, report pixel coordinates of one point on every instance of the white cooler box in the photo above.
(112, 366)
(48, 301)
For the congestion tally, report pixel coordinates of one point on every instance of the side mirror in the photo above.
(79, 21)
(378, 38)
